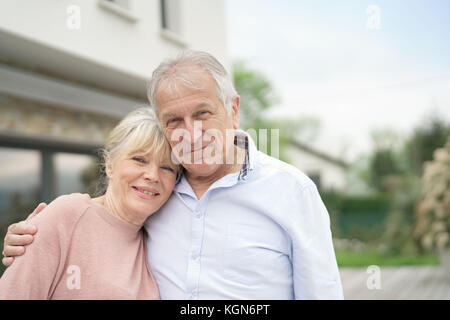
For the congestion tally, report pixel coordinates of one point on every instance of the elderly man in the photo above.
(239, 224)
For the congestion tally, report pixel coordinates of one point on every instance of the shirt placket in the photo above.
(197, 232)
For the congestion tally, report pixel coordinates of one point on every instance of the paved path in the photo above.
(408, 282)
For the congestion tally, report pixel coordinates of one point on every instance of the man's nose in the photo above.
(194, 132)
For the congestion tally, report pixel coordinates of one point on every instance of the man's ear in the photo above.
(235, 111)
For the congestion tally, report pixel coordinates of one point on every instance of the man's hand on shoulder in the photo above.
(19, 235)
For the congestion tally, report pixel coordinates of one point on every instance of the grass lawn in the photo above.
(367, 258)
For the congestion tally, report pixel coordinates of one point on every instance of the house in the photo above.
(69, 70)
(327, 172)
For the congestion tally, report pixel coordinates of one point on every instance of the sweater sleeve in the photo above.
(35, 274)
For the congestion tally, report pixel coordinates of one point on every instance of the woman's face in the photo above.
(139, 186)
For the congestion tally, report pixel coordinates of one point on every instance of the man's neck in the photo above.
(200, 184)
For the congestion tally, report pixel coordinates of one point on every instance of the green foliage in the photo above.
(359, 217)
(259, 96)
(373, 257)
(256, 92)
(432, 134)
(393, 157)
(403, 190)
(394, 168)
(385, 160)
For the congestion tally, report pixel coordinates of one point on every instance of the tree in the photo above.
(395, 168)
(429, 136)
(256, 92)
(259, 96)
(385, 161)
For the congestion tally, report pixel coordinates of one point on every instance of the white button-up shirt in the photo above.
(261, 233)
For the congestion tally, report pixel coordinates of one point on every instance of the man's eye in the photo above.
(171, 121)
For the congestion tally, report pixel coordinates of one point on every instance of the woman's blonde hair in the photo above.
(140, 130)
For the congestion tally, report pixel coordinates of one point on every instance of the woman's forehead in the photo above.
(162, 157)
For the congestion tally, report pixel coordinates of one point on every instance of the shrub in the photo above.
(433, 211)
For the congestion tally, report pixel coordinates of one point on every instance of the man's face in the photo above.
(196, 123)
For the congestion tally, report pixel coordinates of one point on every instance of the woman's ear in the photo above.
(108, 168)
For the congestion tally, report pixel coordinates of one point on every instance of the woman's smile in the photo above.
(146, 192)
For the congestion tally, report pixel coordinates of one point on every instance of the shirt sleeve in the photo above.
(315, 270)
(35, 274)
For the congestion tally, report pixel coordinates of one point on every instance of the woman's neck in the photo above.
(109, 202)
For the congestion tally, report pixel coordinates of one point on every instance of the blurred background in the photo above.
(359, 91)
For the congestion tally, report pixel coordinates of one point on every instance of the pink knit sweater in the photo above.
(81, 251)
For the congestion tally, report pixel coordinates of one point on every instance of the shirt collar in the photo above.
(243, 140)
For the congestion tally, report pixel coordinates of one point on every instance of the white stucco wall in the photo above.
(133, 46)
(331, 175)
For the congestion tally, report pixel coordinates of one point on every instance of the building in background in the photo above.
(69, 70)
(327, 172)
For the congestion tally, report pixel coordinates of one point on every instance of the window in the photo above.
(74, 173)
(170, 15)
(20, 183)
(29, 176)
(121, 8)
(123, 3)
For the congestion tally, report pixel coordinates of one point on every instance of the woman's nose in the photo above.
(151, 173)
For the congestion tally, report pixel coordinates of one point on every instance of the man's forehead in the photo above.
(181, 82)
(178, 109)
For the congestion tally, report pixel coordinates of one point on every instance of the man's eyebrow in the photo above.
(202, 105)
(170, 114)
(167, 115)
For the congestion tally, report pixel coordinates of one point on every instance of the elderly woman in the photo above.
(95, 248)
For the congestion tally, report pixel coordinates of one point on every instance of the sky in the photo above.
(355, 65)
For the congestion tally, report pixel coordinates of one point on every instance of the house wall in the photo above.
(136, 45)
(63, 89)
(332, 176)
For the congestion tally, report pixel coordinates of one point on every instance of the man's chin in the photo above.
(201, 169)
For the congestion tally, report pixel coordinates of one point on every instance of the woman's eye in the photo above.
(168, 169)
(138, 159)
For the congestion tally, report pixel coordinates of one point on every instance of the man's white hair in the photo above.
(174, 71)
